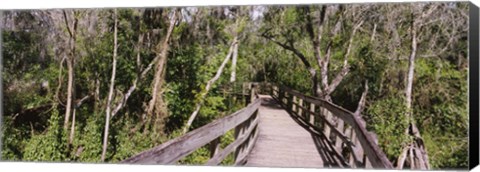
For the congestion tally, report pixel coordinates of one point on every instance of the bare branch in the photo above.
(292, 49)
(345, 69)
(363, 100)
(67, 24)
(209, 85)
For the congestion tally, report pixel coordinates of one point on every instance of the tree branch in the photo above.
(345, 69)
(362, 101)
(67, 24)
(292, 49)
(208, 86)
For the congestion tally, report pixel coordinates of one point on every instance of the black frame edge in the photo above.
(473, 86)
(1, 85)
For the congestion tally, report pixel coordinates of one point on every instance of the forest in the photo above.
(101, 85)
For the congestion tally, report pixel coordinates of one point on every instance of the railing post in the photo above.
(312, 115)
(358, 148)
(351, 158)
(244, 147)
(368, 164)
(328, 117)
(252, 93)
(214, 147)
(294, 105)
(299, 108)
(338, 140)
(251, 138)
(239, 132)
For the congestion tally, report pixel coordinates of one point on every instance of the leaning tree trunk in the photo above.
(154, 106)
(209, 85)
(234, 63)
(415, 149)
(112, 86)
(70, 65)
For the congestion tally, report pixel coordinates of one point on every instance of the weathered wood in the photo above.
(328, 118)
(238, 133)
(300, 109)
(338, 142)
(215, 160)
(362, 149)
(251, 141)
(246, 130)
(281, 142)
(358, 150)
(333, 154)
(342, 136)
(312, 115)
(214, 147)
(371, 149)
(174, 150)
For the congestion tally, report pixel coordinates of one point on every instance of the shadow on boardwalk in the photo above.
(323, 146)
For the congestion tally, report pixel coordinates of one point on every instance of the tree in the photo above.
(324, 87)
(112, 86)
(72, 32)
(156, 103)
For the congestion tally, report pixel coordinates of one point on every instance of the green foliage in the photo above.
(131, 143)
(49, 146)
(11, 145)
(90, 142)
(387, 119)
(442, 91)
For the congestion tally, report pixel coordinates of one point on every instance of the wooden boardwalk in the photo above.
(298, 131)
(281, 141)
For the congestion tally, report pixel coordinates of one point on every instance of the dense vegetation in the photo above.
(99, 85)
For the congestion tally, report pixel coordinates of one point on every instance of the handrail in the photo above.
(322, 111)
(313, 113)
(244, 121)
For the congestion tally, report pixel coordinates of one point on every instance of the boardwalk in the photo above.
(281, 141)
(296, 131)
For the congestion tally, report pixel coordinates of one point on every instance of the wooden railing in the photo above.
(244, 122)
(340, 131)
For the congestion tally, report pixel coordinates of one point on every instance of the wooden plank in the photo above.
(219, 157)
(358, 150)
(373, 152)
(312, 115)
(246, 131)
(342, 136)
(252, 140)
(238, 133)
(281, 142)
(327, 120)
(174, 150)
(294, 103)
(338, 142)
(300, 109)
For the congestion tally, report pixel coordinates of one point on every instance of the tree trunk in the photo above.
(70, 65)
(234, 63)
(72, 129)
(418, 155)
(112, 86)
(156, 101)
(70, 90)
(411, 68)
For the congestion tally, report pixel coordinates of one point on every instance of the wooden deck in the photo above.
(281, 141)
